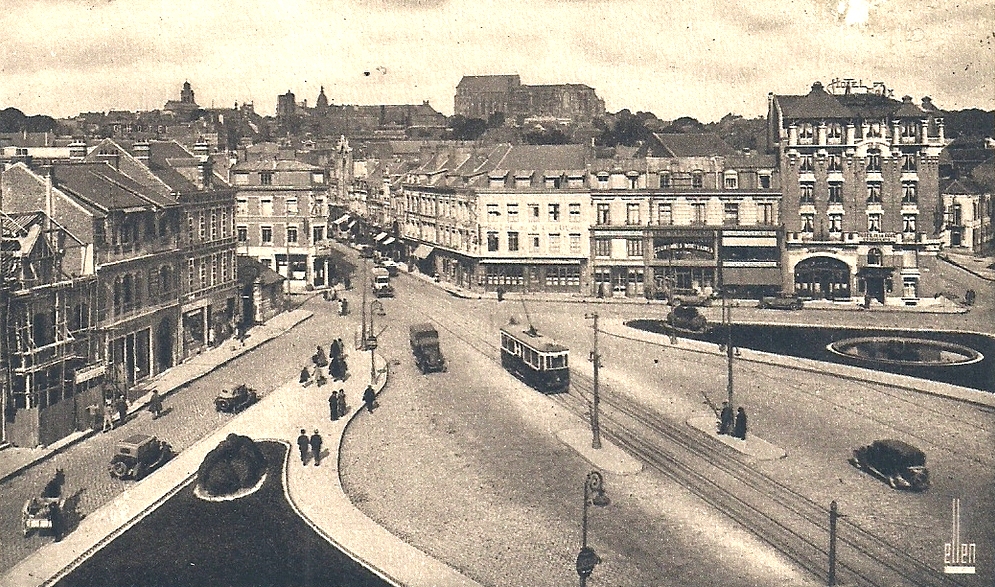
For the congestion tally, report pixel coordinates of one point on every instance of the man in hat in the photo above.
(333, 405)
(726, 418)
(302, 443)
(316, 448)
(369, 396)
(740, 430)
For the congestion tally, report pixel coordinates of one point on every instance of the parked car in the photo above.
(424, 340)
(781, 302)
(900, 464)
(138, 455)
(236, 399)
(391, 266)
(687, 318)
(689, 297)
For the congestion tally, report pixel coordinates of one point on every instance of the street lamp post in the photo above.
(376, 309)
(587, 559)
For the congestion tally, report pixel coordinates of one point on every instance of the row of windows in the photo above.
(205, 272)
(665, 213)
(209, 225)
(908, 129)
(873, 222)
(872, 162)
(553, 212)
(806, 191)
(554, 241)
(291, 207)
(291, 234)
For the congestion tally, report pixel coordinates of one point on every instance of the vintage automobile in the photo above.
(900, 464)
(781, 302)
(424, 340)
(138, 455)
(236, 399)
(689, 297)
(391, 266)
(687, 318)
(45, 512)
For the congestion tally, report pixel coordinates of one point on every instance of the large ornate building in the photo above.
(484, 95)
(859, 172)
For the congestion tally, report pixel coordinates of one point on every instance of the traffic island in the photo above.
(609, 458)
(757, 448)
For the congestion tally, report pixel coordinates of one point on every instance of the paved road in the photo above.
(818, 418)
(189, 415)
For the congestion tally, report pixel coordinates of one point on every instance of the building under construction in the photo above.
(50, 365)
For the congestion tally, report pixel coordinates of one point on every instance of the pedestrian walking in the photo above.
(92, 413)
(108, 416)
(334, 350)
(316, 448)
(122, 409)
(740, 430)
(319, 358)
(343, 409)
(369, 398)
(302, 443)
(305, 375)
(155, 404)
(726, 418)
(333, 405)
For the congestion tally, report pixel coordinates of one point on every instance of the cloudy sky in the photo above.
(702, 58)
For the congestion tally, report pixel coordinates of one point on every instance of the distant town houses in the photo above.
(486, 95)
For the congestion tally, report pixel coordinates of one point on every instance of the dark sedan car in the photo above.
(781, 302)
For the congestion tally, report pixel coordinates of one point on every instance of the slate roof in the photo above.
(908, 109)
(869, 105)
(248, 270)
(104, 188)
(543, 157)
(818, 103)
(488, 83)
(276, 165)
(693, 145)
(961, 185)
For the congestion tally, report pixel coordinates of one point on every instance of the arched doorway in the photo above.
(165, 335)
(822, 278)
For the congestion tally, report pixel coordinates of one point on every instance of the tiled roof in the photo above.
(276, 165)
(542, 157)
(818, 103)
(693, 145)
(908, 109)
(105, 188)
(869, 105)
(961, 186)
(488, 83)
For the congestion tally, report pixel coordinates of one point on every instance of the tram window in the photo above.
(556, 361)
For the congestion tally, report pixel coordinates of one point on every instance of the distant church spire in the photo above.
(186, 94)
(322, 102)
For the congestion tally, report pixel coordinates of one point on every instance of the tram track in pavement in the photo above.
(788, 521)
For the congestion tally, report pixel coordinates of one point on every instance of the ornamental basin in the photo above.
(898, 350)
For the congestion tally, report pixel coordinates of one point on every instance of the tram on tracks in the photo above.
(540, 362)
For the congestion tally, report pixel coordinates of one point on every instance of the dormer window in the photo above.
(602, 180)
(731, 180)
(665, 179)
(806, 133)
(698, 179)
(834, 133)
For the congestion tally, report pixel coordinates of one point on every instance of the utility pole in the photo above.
(596, 358)
(833, 515)
(727, 318)
(363, 307)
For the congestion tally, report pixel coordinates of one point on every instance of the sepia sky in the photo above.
(701, 58)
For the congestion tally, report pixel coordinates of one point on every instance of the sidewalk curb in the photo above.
(965, 268)
(71, 440)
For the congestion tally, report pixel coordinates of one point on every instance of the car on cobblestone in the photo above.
(898, 463)
(781, 302)
(680, 296)
(235, 400)
(138, 455)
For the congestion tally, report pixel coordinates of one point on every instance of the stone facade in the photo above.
(481, 96)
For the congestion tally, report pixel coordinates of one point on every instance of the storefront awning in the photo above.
(423, 251)
(388, 240)
(341, 219)
(751, 276)
(380, 236)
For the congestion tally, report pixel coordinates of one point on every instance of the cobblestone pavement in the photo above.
(189, 415)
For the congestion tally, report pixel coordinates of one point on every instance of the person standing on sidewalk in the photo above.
(740, 430)
(155, 404)
(108, 416)
(343, 409)
(302, 443)
(122, 409)
(333, 406)
(316, 448)
(369, 397)
(726, 418)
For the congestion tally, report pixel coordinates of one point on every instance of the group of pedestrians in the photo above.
(334, 362)
(117, 404)
(337, 407)
(732, 425)
(310, 444)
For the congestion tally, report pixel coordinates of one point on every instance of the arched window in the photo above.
(875, 257)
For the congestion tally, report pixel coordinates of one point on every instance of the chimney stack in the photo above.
(143, 151)
(77, 150)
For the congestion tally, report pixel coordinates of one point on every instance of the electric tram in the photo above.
(538, 361)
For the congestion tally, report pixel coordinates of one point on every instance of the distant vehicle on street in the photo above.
(538, 361)
(138, 455)
(689, 297)
(365, 251)
(236, 399)
(381, 283)
(391, 266)
(781, 301)
(424, 340)
(898, 463)
(687, 318)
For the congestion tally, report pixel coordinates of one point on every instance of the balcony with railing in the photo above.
(117, 252)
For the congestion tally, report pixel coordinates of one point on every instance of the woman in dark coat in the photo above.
(740, 429)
